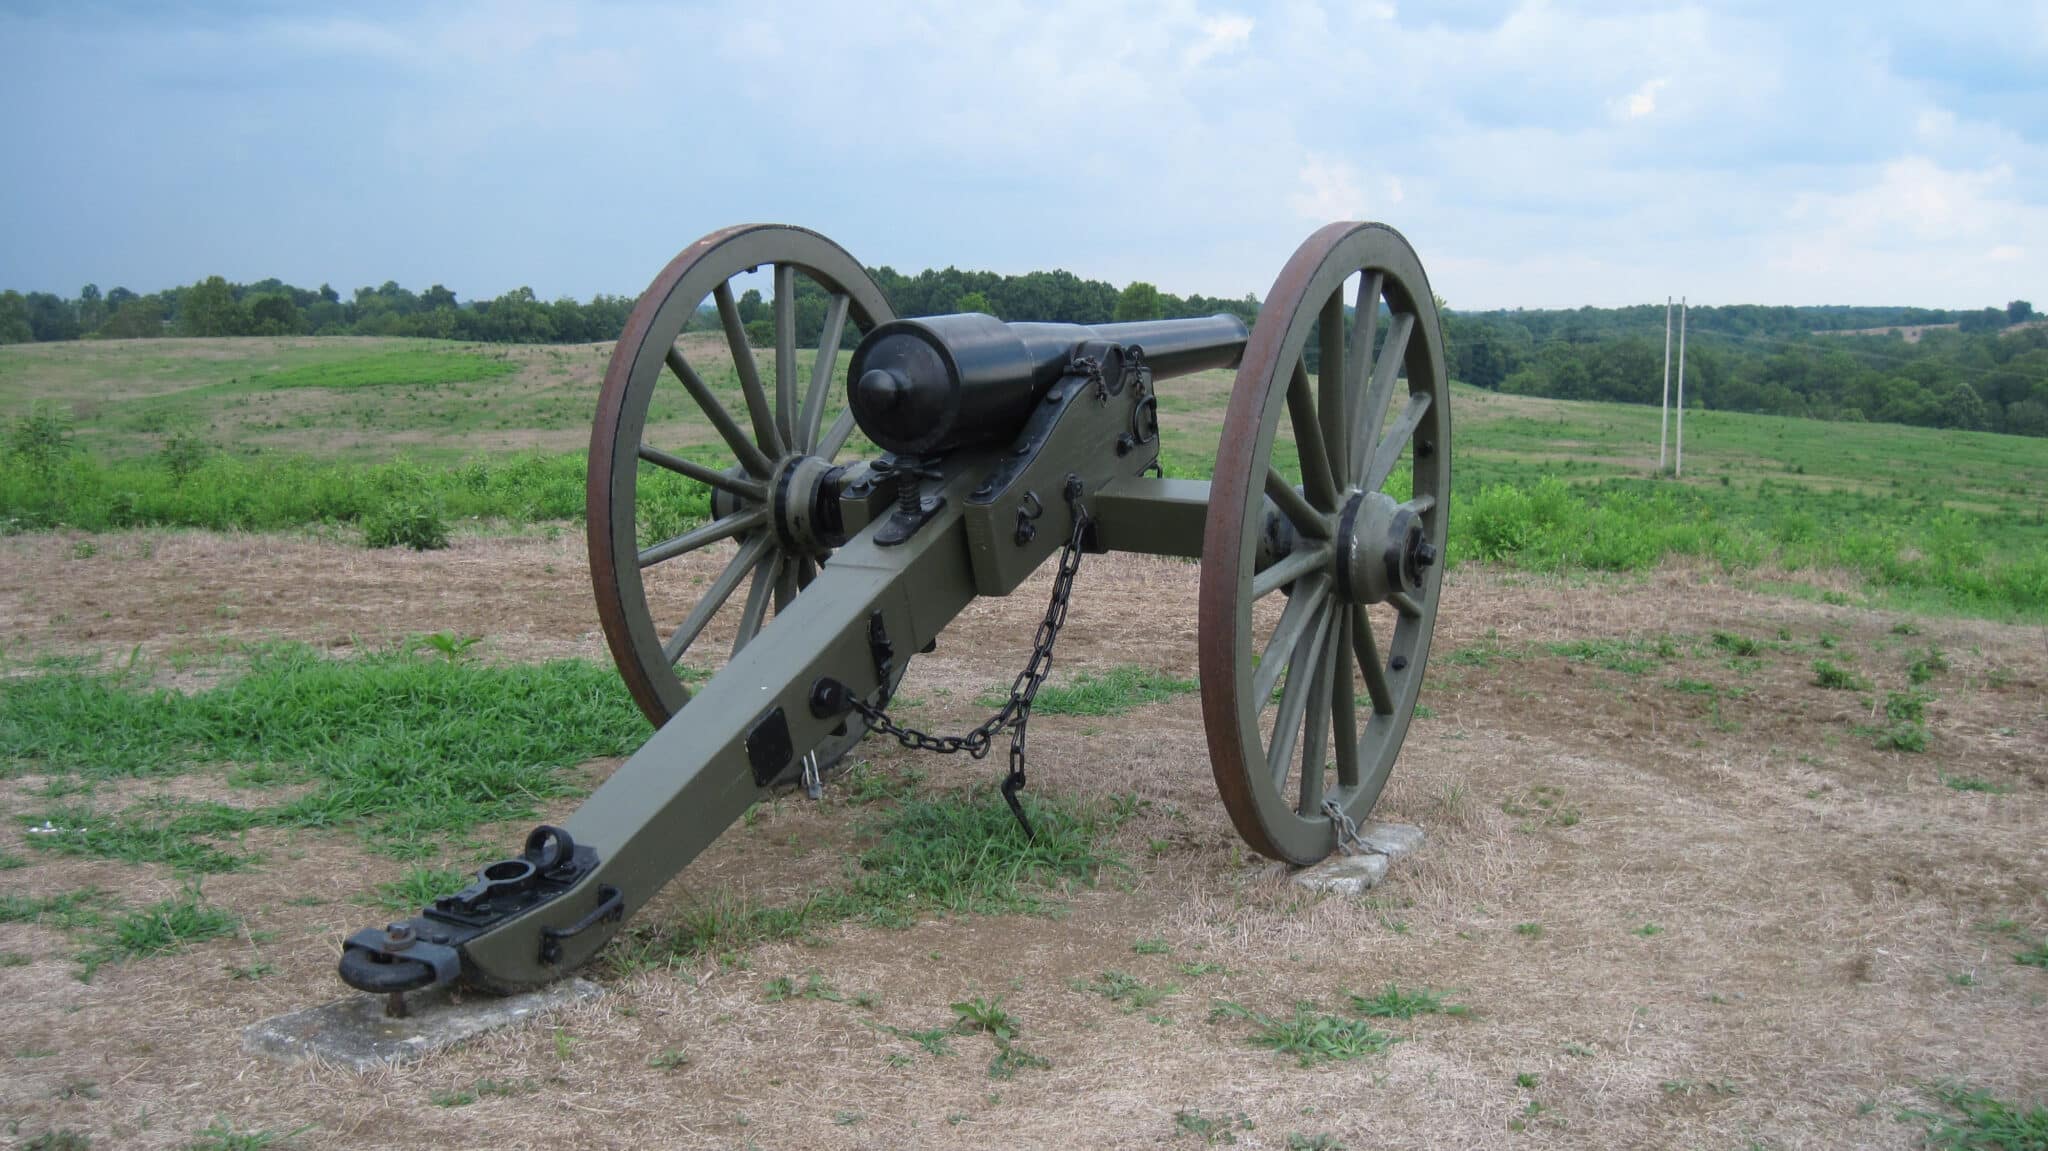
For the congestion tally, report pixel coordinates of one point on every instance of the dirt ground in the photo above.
(1679, 919)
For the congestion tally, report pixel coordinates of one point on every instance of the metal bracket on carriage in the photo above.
(913, 508)
(424, 951)
(1097, 368)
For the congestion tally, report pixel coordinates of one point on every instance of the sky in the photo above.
(1536, 154)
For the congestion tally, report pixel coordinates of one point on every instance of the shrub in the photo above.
(412, 523)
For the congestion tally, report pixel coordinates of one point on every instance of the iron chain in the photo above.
(1348, 840)
(1015, 714)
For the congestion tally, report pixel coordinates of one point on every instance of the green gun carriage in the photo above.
(999, 446)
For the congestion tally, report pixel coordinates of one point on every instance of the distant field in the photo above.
(274, 433)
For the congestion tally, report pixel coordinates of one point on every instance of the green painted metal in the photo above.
(823, 551)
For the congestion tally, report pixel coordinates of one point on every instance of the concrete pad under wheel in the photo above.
(1381, 844)
(356, 1033)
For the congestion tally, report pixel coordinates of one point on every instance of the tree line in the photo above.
(216, 307)
(1988, 372)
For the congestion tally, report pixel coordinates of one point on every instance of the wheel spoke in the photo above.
(1294, 620)
(714, 597)
(743, 449)
(1330, 376)
(806, 571)
(786, 587)
(748, 371)
(1368, 654)
(1294, 698)
(821, 372)
(746, 489)
(1421, 504)
(1308, 441)
(1365, 326)
(1379, 393)
(1405, 604)
(785, 353)
(767, 573)
(1315, 733)
(1344, 710)
(1389, 452)
(828, 448)
(697, 537)
(1288, 570)
(1305, 518)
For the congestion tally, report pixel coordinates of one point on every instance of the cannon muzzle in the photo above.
(931, 385)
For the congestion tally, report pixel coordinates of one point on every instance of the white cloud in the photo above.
(1641, 102)
(1918, 231)
(1934, 124)
(1219, 35)
(1915, 198)
(1328, 190)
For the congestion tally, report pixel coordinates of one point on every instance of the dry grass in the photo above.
(1815, 897)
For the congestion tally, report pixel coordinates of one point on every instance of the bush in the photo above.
(412, 523)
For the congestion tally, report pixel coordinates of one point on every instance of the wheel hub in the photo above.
(1382, 549)
(803, 508)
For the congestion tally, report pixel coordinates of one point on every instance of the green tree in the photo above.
(2019, 311)
(1139, 301)
(14, 328)
(139, 318)
(208, 308)
(274, 316)
(92, 311)
(973, 302)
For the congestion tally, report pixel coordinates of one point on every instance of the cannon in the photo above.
(988, 448)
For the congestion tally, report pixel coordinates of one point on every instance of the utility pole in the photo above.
(1678, 468)
(1664, 409)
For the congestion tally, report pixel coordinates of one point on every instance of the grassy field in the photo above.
(273, 434)
(1733, 788)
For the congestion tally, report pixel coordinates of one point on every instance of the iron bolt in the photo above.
(398, 936)
(1425, 555)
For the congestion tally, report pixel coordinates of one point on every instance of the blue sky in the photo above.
(1537, 154)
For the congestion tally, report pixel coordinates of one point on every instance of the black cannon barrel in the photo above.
(930, 385)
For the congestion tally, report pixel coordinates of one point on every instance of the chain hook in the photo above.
(1015, 714)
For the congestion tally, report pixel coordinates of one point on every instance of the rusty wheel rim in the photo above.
(1341, 547)
(754, 445)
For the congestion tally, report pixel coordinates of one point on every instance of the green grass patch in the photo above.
(239, 492)
(1112, 692)
(1978, 1121)
(1925, 665)
(162, 928)
(1309, 1035)
(2035, 956)
(419, 887)
(1628, 656)
(1394, 1003)
(1127, 990)
(958, 853)
(66, 911)
(405, 747)
(1831, 675)
(172, 834)
(414, 368)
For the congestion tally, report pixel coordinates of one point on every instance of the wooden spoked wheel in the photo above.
(751, 449)
(1313, 593)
